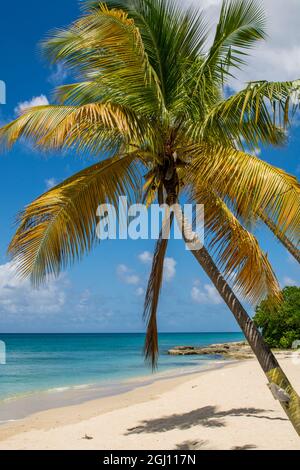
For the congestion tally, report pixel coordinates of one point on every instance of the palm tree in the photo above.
(151, 100)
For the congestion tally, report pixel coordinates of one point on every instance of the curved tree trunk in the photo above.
(278, 382)
(284, 240)
(265, 357)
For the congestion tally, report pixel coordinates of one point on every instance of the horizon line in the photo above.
(110, 332)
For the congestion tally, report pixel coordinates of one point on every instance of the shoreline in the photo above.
(229, 407)
(16, 408)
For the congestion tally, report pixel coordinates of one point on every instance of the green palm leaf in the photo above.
(256, 115)
(241, 25)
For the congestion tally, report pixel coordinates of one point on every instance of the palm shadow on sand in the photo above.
(207, 416)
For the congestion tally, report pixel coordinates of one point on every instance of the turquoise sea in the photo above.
(37, 362)
(90, 365)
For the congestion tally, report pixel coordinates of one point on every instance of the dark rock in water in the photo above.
(183, 350)
(235, 350)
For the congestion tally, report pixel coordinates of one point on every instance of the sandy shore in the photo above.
(227, 408)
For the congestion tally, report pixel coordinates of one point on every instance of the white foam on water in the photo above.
(58, 389)
(7, 421)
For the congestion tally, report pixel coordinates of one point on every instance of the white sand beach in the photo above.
(226, 408)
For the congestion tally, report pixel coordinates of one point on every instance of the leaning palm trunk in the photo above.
(278, 382)
(294, 251)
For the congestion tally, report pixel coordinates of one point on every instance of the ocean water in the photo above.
(56, 362)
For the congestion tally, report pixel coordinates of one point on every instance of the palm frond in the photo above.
(105, 45)
(152, 296)
(61, 126)
(257, 114)
(241, 24)
(60, 226)
(250, 184)
(236, 251)
(173, 37)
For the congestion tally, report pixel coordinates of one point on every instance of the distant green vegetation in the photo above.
(282, 327)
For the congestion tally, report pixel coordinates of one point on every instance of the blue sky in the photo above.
(103, 292)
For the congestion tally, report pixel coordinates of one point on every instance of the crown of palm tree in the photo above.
(150, 100)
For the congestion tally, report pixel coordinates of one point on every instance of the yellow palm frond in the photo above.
(57, 126)
(236, 250)
(60, 226)
(250, 184)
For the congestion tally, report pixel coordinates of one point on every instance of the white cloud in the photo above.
(127, 275)
(41, 100)
(287, 281)
(145, 257)
(50, 183)
(18, 296)
(207, 295)
(169, 269)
